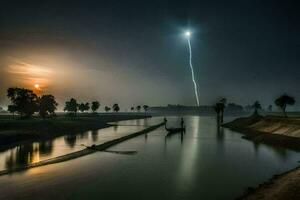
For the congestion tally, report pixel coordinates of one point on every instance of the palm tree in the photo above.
(138, 108)
(116, 107)
(145, 107)
(223, 102)
(219, 108)
(95, 106)
(283, 101)
(132, 109)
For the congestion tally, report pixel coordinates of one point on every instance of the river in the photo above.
(204, 163)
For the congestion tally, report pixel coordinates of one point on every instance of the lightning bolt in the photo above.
(192, 70)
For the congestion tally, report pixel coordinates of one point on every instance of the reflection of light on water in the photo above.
(38, 151)
(35, 157)
(189, 155)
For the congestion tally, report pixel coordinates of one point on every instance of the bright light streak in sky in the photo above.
(188, 35)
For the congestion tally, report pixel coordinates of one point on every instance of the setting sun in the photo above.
(37, 86)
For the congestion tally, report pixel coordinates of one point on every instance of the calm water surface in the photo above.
(38, 151)
(205, 163)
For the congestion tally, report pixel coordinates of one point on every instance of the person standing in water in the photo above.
(165, 121)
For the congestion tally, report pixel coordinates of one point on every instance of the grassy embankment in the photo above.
(14, 130)
(274, 130)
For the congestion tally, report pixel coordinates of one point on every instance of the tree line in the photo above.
(282, 102)
(25, 103)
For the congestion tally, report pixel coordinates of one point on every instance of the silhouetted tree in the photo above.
(87, 106)
(283, 101)
(84, 107)
(223, 101)
(256, 107)
(270, 108)
(219, 108)
(47, 105)
(71, 106)
(132, 109)
(116, 107)
(81, 107)
(107, 109)
(138, 108)
(145, 107)
(12, 109)
(95, 106)
(24, 101)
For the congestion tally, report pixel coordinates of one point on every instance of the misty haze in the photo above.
(149, 100)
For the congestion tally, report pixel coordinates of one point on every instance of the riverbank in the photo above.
(285, 186)
(273, 130)
(16, 131)
(86, 151)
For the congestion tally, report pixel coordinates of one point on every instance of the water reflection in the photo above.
(209, 163)
(139, 121)
(145, 123)
(46, 147)
(70, 140)
(42, 150)
(220, 138)
(28, 153)
(176, 135)
(188, 158)
(282, 153)
(116, 128)
(256, 148)
(220, 134)
(94, 135)
(83, 135)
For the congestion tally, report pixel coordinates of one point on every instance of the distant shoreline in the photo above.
(278, 131)
(16, 131)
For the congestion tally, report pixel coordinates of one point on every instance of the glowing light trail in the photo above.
(188, 34)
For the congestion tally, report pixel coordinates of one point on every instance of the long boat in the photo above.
(175, 130)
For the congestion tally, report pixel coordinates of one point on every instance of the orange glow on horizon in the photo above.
(30, 75)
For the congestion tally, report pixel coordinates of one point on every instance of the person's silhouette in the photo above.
(182, 123)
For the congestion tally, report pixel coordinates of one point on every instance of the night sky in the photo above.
(134, 52)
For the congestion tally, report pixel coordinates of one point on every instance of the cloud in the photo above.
(27, 74)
